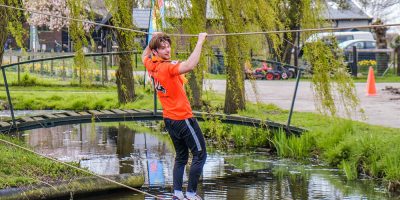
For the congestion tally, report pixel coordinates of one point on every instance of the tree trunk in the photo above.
(195, 77)
(398, 60)
(124, 74)
(234, 96)
(381, 43)
(3, 32)
(236, 50)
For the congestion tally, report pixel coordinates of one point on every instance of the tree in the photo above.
(121, 11)
(10, 23)
(195, 23)
(234, 17)
(396, 46)
(78, 30)
(122, 16)
(378, 8)
(381, 43)
(279, 15)
(59, 8)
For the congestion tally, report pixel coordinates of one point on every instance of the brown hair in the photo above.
(157, 40)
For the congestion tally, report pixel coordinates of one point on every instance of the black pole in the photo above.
(294, 97)
(155, 97)
(8, 96)
(19, 70)
(296, 58)
(355, 61)
(136, 61)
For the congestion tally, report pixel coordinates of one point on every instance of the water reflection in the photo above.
(110, 149)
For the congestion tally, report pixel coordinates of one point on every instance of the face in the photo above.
(164, 51)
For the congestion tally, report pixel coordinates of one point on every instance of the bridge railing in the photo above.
(103, 67)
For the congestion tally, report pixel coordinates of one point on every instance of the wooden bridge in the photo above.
(119, 115)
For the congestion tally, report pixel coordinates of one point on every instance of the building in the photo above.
(350, 16)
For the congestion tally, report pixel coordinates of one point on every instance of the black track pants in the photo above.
(186, 135)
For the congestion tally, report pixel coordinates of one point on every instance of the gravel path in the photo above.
(379, 110)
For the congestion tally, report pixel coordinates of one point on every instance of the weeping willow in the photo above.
(121, 11)
(11, 23)
(233, 18)
(79, 38)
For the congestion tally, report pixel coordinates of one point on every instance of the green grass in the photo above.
(22, 168)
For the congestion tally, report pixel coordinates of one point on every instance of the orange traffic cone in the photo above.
(371, 89)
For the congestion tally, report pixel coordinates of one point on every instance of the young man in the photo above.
(182, 127)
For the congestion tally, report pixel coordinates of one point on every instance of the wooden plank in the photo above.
(84, 113)
(144, 111)
(38, 118)
(95, 112)
(27, 119)
(60, 115)
(4, 124)
(130, 111)
(50, 116)
(107, 112)
(71, 113)
(118, 111)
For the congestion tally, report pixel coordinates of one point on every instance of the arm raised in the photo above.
(194, 57)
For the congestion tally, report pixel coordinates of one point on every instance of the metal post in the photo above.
(19, 69)
(41, 66)
(8, 96)
(52, 68)
(296, 58)
(105, 70)
(355, 60)
(136, 65)
(102, 69)
(110, 62)
(155, 98)
(64, 72)
(294, 97)
(33, 64)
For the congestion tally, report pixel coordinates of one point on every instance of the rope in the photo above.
(209, 35)
(82, 170)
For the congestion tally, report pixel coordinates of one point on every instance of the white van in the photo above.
(341, 36)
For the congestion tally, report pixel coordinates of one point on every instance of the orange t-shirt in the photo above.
(170, 89)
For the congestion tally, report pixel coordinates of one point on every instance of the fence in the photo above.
(359, 61)
(101, 66)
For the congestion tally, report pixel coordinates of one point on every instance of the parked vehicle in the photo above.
(269, 73)
(363, 45)
(339, 36)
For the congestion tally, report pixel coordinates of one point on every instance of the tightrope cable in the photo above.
(80, 169)
(209, 35)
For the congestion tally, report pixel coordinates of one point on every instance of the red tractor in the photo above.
(264, 72)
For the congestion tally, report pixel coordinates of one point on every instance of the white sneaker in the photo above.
(179, 197)
(195, 197)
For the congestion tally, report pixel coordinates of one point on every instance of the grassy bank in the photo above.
(21, 168)
(356, 148)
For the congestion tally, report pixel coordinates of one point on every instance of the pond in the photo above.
(129, 147)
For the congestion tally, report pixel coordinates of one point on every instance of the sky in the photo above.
(390, 15)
